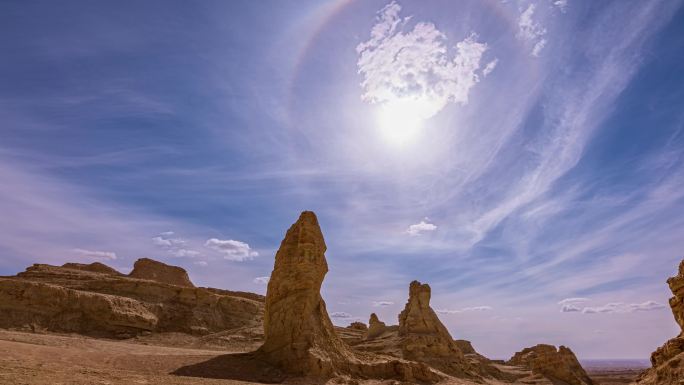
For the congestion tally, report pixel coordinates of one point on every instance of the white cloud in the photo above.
(232, 250)
(561, 4)
(421, 227)
(464, 310)
(382, 303)
(568, 301)
(94, 254)
(164, 240)
(340, 314)
(613, 307)
(173, 245)
(490, 67)
(570, 308)
(261, 280)
(186, 253)
(416, 66)
(531, 31)
(646, 306)
(201, 263)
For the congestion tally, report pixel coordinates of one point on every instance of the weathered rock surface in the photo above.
(668, 360)
(375, 327)
(299, 336)
(145, 268)
(425, 338)
(93, 300)
(358, 326)
(560, 366)
(95, 267)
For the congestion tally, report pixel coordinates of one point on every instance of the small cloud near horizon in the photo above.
(95, 254)
(261, 280)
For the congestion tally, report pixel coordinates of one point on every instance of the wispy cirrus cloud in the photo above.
(95, 254)
(464, 310)
(261, 280)
(382, 303)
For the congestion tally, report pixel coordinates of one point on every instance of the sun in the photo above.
(401, 121)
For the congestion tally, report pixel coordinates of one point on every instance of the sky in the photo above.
(524, 158)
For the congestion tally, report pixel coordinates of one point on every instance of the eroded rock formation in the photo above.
(668, 360)
(299, 336)
(98, 301)
(145, 268)
(375, 327)
(358, 326)
(424, 337)
(560, 366)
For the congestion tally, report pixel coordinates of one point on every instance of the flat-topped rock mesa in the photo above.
(560, 366)
(667, 362)
(145, 268)
(96, 300)
(299, 336)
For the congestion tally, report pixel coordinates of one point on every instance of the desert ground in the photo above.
(62, 359)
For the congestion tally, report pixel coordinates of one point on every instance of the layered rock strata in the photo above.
(560, 366)
(98, 301)
(299, 336)
(423, 336)
(668, 360)
(145, 268)
(375, 327)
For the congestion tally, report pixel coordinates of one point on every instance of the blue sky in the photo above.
(524, 158)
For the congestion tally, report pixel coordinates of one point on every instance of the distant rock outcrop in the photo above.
(95, 267)
(560, 366)
(145, 268)
(375, 327)
(299, 336)
(668, 360)
(358, 326)
(96, 300)
(423, 336)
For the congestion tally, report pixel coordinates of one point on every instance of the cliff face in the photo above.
(559, 365)
(96, 300)
(145, 268)
(668, 360)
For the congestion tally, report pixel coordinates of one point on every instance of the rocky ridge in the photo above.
(97, 300)
(668, 360)
(560, 365)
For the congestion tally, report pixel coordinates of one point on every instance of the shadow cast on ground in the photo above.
(236, 366)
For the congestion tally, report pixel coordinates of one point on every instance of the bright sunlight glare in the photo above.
(400, 121)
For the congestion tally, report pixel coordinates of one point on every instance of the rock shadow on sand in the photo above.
(235, 366)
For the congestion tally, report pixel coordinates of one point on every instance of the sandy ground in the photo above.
(27, 358)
